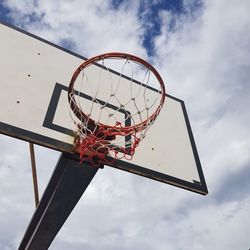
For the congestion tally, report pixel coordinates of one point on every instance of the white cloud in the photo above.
(94, 26)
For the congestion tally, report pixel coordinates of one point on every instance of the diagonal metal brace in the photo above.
(66, 186)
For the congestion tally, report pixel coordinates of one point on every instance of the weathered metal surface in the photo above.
(66, 186)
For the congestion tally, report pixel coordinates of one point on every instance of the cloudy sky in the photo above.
(202, 50)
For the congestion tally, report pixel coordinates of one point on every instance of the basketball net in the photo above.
(113, 110)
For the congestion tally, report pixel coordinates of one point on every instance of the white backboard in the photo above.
(34, 79)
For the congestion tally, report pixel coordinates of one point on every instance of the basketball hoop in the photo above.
(113, 128)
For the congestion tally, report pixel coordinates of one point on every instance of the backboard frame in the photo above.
(19, 133)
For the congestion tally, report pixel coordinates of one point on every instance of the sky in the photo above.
(202, 50)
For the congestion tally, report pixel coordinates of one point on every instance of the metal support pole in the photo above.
(34, 174)
(67, 184)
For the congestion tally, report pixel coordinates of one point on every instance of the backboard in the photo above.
(34, 80)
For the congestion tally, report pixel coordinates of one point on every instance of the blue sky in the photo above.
(201, 48)
(148, 13)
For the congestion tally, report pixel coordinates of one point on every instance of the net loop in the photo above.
(113, 110)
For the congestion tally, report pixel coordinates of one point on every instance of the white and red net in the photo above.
(113, 109)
